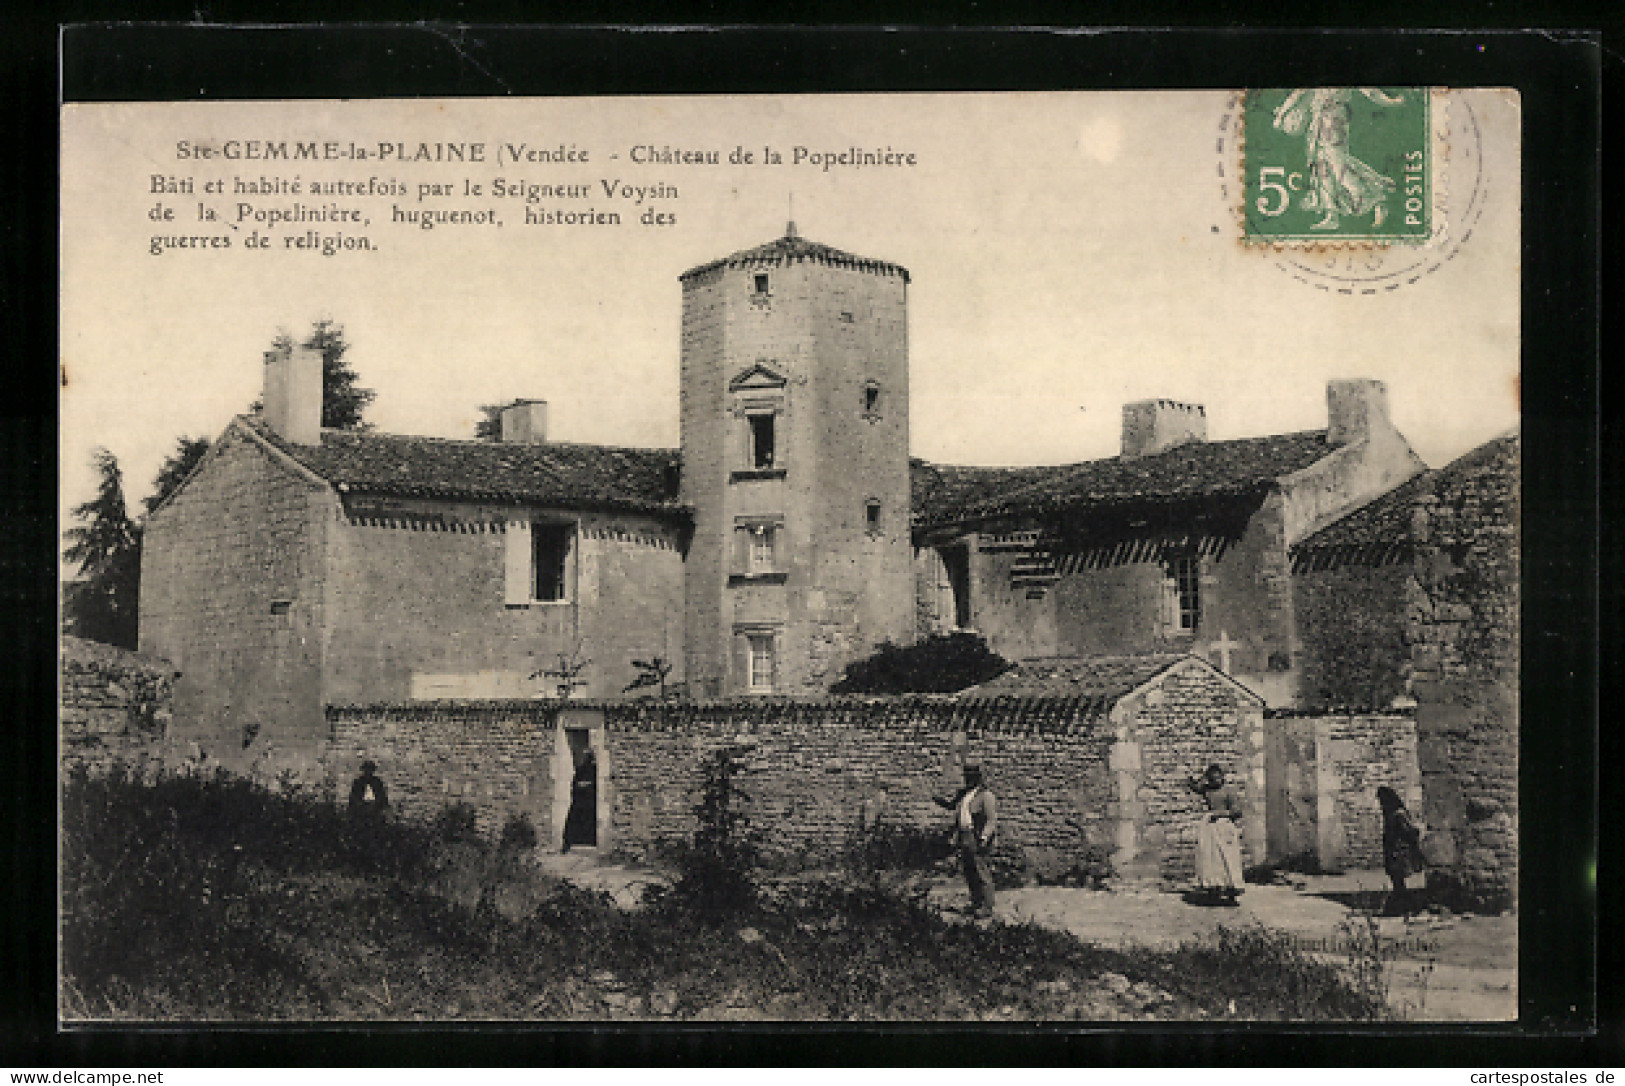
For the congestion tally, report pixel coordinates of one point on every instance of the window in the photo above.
(760, 679)
(761, 550)
(761, 285)
(1182, 593)
(871, 399)
(550, 546)
(761, 441)
(871, 515)
(540, 562)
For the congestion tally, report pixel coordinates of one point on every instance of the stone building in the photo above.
(1177, 544)
(299, 568)
(1415, 596)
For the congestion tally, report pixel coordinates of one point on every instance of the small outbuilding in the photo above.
(1169, 717)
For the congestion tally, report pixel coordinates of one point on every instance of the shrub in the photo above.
(517, 834)
(457, 822)
(887, 846)
(716, 870)
(944, 664)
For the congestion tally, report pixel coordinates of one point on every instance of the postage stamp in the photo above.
(1338, 165)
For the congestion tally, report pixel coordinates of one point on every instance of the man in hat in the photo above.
(976, 822)
(369, 799)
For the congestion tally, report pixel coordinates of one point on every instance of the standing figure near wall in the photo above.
(1401, 848)
(1218, 841)
(976, 822)
(581, 824)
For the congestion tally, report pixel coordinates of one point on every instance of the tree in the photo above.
(106, 544)
(189, 452)
(944, 664)
(343, 401)
(489, 428)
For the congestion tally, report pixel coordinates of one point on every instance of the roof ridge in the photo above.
(1115, 456)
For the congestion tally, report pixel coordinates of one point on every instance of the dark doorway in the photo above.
(956, 561)
(581, 824)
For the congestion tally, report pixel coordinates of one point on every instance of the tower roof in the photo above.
(792, 248)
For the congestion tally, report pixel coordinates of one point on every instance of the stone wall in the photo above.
(233, 593)
(115, 706)
(1323, 774)
(417, 607)
(1074, 782)
(1464, 627)
(1353, 626)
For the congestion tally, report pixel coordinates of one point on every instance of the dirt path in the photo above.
(1439, 967)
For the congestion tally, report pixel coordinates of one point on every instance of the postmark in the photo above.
(1338, 164)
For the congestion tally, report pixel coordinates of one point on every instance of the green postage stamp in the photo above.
(1337, 165)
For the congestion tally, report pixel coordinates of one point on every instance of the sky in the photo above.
(1069, 252)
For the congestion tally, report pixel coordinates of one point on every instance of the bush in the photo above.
(517, 834)
(457, 823)
(886, 846)
(716, 870)
(944, 664)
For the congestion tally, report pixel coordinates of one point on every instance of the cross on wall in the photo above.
(1223, 646)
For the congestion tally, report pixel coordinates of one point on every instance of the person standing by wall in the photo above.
(1218, 841)
(1401, 848)
(976, 823)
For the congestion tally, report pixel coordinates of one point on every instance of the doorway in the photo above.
(581, 819)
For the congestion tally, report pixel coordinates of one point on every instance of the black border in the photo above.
(1560, 78)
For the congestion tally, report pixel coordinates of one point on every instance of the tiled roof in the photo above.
(949, 495)
(792, 249)
(1386, 520)
(555, 473)
(1105, 677)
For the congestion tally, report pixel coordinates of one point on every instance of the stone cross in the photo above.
(1223, 646)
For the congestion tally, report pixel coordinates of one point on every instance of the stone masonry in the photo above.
(1077, 779)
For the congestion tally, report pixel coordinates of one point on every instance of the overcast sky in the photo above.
(1069, 253)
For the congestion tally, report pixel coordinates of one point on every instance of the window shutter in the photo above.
(572, 561)
(778, 653)
(778, 548)
(741, 551)
(517, 560)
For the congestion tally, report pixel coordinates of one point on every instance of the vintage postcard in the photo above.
(952, 557)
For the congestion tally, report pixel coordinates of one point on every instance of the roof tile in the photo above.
(947, 495)
(555, 473)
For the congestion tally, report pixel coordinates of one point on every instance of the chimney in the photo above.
(524, 422)
(1354, 408)
(1154, 426)
(293, 394)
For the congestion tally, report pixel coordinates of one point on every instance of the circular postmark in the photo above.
(1341, 264)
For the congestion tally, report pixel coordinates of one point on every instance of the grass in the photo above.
(209, 898)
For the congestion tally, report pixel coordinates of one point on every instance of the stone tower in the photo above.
(795, 462)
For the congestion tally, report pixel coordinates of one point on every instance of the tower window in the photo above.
(1182, 593)
(871, 399)
(871, 515)
(760, 679)
(761, 284)
(761, 550)
(761, 441)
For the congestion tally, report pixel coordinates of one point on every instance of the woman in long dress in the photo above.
(1218, 841)
(1339, 183)
(1401, 848)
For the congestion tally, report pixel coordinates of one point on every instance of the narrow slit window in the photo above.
(871, 399)
(871, 515)
(761, 441)
(761, 284)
